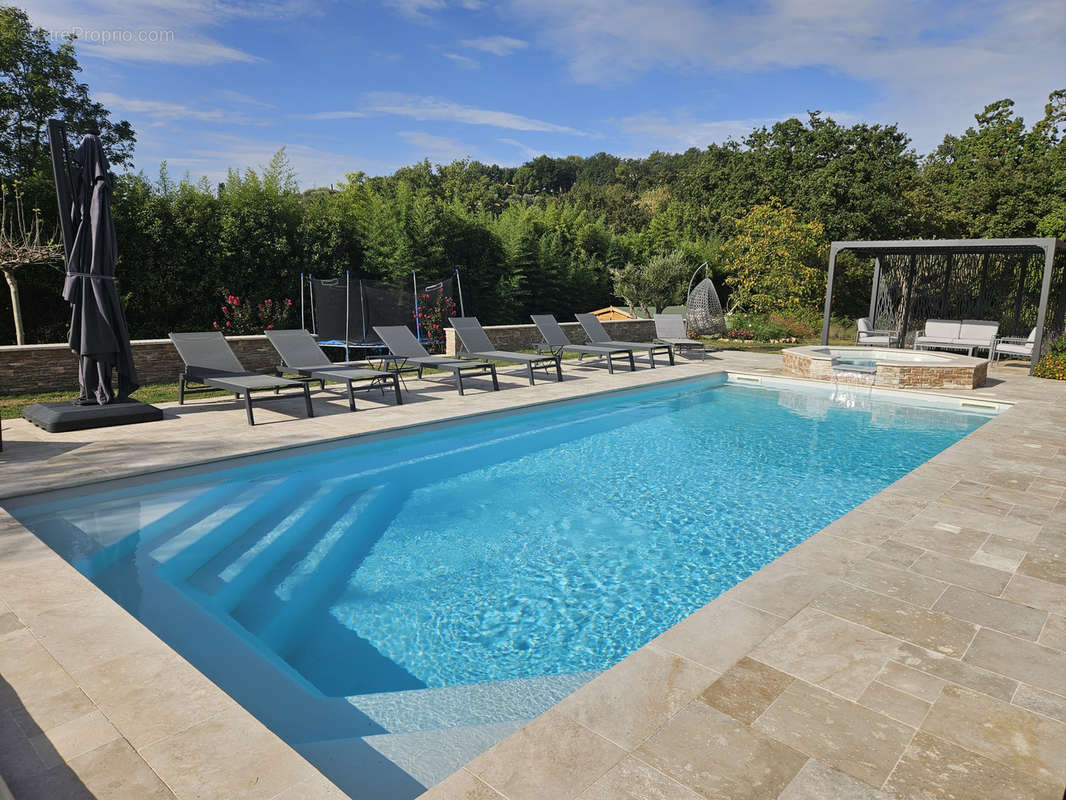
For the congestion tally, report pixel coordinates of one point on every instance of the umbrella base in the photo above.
(59, 417)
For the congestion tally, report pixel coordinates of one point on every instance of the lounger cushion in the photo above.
(942, 330)
(976, 330)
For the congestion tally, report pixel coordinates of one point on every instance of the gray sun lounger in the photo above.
(670, 329)
(477, 345)
(403, 344)
(210, 361)
(598, 336)
(557, 340)
(301, 354)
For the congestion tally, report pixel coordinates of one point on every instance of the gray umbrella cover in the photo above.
(99, 335)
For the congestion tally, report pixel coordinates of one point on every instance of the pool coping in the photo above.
(56, 607)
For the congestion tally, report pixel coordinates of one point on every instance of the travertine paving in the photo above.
(914, 648)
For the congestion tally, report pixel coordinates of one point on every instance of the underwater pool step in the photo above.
(469, 704)
(431, 756)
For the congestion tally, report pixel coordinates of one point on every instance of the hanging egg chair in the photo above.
(703, 309)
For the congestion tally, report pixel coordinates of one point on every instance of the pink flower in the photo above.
(227, 323)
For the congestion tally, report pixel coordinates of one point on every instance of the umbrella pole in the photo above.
(302, 323)
(347, 311)
(57, 145)
(459, 284)
(418, 326)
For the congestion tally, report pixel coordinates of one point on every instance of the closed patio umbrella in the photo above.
(99, 335)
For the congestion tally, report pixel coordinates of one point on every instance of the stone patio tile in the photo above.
(899, 505)
(965, 519)
(1027, 513)
(632, 779)
(1050, 488)
(32, 670)
(934, 769)
(1005, 733)
(911, 681)
(900, 583)
(1024, 661)
(553, 756)
(971, 502)
(998, 554)
(923, 485)
(628, 703)
(1013, 479)
(837, 732)
(459, 786)
(827, 651)
(963, 573)
(746, 689)
(230, 755)
(1046, 703)
(718, 634)
(20, 766)
(9, 623)
(47, 711)
(151, 694)
(929, 629)
(955, 671)
(1021, 497)
(115, 770)
(1036, 593)
(1047, 566)
(900, 706)
(715, 755)
(824, 553)
(992, 612)
(895, 554)
(72, 738)
(864, 526)
(816, 781)
(949, 540)
(1054, 633)
(320, 789)
(781, 589)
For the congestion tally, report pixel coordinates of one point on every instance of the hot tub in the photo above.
(882, 366)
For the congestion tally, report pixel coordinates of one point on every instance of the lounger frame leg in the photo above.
(459, 380)
(559, 369)
(529, 366)
(248, 406)
(495, 382)
(351, 396)
(181, 389)
(396, 388)
(307, 402)
(633, 363)
(670, 354)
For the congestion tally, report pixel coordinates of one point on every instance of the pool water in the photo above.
(394, 607)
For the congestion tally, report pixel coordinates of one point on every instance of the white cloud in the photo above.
(420, 10)
(528, 153)
(679, 130)
(158, 111)
(497, 45)
(438, 148)
(162, 31)
(441, 110)
(243, 99)
(932, 64)
(463, 61)
(221, 152)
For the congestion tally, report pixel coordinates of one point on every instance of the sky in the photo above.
(372, 85)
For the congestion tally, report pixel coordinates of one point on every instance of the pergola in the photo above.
(1019, 283)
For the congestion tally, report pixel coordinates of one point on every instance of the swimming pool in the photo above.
(393, 606)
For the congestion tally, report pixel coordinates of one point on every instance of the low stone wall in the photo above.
(37, 368)
(526, 337)
(902, 376)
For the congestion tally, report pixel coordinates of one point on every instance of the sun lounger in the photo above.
(1014, 346)
(556, 340)
(403, 344)
(670, 329)
(301, 354)
(598, 335)
(477, 345)
(210, 361)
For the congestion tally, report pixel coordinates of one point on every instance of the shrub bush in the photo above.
(1052, 366)
(241, 316)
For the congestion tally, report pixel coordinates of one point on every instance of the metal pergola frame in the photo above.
(876, 250)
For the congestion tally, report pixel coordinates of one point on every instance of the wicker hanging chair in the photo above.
(703, 310)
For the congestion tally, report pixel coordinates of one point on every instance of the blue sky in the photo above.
(375, 84)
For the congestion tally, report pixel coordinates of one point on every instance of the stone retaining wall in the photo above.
(526, 337)
(902, 376)
(37, 368)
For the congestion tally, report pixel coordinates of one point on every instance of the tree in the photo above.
(21, 246)
(653, 285)
(774, 261)
(38, 83)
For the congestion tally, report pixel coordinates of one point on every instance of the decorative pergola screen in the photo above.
(1019, 283)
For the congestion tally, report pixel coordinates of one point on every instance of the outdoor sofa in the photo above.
(478, 346)
(597, 335)
(211, 362)
(404, 347)
(556, 340)
(951, 334)
(301, 354)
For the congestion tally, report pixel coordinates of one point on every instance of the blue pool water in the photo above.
(393, 607)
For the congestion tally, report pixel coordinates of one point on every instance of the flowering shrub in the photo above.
(739, 333)
(244, 316)
(433, 312)
(1053, 366)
